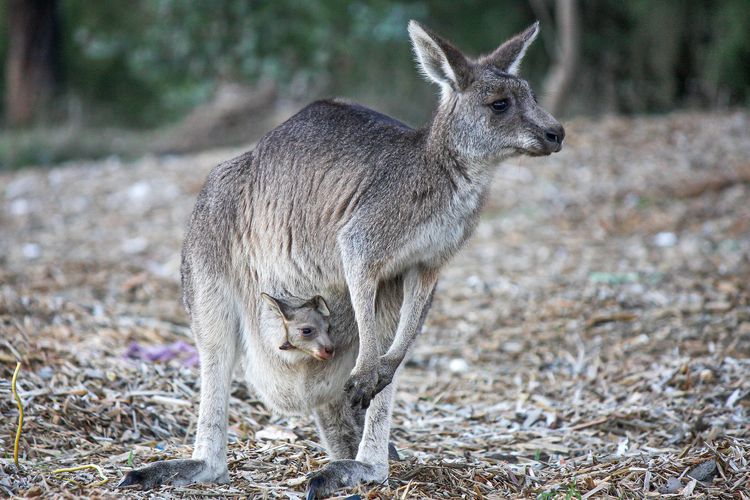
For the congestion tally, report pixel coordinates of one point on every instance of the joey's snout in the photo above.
(325, 352)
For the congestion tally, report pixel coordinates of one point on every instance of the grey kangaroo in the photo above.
(344, 202)
(305, 328)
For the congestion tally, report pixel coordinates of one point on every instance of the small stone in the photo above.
(134, 245)
(276, 433)
(19, 207)
(31, 251)
(718, 306)
(673, 486)
(139, 191)
(458, 365)
(706, 375)
(665, 239)
(704, 471)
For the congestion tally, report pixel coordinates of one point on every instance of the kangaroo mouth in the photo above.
(541, 149)
(534, 151)
(322, 355)
(537, 152)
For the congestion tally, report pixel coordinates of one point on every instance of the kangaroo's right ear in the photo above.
(440, 61)
(276, 305)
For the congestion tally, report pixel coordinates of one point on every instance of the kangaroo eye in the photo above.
(306, 332)
(500, 105)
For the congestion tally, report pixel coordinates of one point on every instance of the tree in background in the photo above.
(32, 65)
(565, 53)
(145, 63)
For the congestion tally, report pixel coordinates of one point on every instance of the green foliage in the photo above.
(143, 63)
(53, 145)
(728, 67)
(571, 493)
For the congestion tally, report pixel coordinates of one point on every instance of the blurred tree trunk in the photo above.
(558, 82)
(32, 63)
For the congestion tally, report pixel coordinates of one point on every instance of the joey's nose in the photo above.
(326, 352)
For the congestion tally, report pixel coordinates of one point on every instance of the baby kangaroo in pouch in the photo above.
(343, 202)
(305, 326)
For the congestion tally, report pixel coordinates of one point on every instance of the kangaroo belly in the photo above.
(299, 388)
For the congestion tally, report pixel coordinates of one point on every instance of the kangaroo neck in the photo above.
(442, 152)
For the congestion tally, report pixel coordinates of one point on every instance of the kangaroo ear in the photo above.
(508, 56)
(276, 305)
(439, 61)
(321, 306)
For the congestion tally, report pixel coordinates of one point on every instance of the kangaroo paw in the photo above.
(175, 472)
(341, 474)
(360, 388)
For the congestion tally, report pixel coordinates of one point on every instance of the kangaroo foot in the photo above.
(342, 474)
(175, 472)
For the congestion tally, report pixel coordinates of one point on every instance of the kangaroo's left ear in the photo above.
(321, 306)
(508, 56)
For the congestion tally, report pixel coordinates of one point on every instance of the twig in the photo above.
(87, 466)
(20, 412)
(585, 425)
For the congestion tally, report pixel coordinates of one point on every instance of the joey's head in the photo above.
(306, 327)
(487, 113)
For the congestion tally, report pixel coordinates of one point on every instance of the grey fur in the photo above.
(344, 202)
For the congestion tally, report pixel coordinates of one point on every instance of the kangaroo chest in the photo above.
(437, 238)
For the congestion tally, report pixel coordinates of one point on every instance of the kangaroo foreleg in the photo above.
(419, 286)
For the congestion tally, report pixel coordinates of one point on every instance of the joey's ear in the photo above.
(276, 305)
(440, 61)
(508, 56)
(321, 306)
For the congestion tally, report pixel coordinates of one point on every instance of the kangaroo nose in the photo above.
(555, 135)
(328, 349)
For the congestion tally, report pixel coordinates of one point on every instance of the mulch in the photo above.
(592, 341)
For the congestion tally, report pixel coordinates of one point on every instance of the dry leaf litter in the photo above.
(593, 339)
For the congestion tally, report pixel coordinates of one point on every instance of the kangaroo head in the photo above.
(306, 326)
(486, 112)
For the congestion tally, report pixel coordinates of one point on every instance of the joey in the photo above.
(305, 326)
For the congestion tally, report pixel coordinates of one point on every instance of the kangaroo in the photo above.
(305, 328)
(350, 204)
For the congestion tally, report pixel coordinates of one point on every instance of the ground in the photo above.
(593, 338)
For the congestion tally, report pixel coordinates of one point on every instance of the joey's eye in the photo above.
(500, 105)
(306, 332)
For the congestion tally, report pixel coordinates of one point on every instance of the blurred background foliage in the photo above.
(146, 64)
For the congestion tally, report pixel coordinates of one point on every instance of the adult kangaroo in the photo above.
(346, 203)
